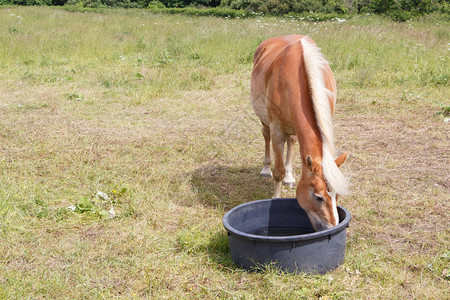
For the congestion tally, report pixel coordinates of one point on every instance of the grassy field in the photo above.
(153, 110)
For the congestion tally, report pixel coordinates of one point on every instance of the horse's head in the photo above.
(314, 196)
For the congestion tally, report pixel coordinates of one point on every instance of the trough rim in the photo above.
(281, 239)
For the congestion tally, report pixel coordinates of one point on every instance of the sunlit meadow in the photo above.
(153, 111)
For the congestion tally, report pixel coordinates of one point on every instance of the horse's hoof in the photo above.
(290, 184)
(265, 175)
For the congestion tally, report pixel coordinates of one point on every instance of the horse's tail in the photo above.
(315, 65)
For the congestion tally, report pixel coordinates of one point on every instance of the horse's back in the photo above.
(274, 65)
(278, 77)
(268, 50)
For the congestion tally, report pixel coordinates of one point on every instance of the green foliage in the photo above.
(101, 205)
(281, 7)
(397, 7)
(381, 6)
(26, 2)
(360, 6)
(398, 10)
(58, 2)
(156, 4)
(90, 206)
(184, 3)
(399, 15)
(193, 11)
(85, 204)
(238, 4)
(104, 3)
(420, 6)
(445, 110)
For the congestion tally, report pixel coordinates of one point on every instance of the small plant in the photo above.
(75, 96)
(163, 58)
(100, 205)
(116, 193)
(13, 29)
(85, 204)
(42, 207)
(445, 111)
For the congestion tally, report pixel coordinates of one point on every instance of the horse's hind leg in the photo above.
(266, 172)
(278, 141)
(289, 179)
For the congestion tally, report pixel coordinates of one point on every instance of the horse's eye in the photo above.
(318, 197)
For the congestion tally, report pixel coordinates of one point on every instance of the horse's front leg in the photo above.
(289, 179)
(278, 141)
(266, 172)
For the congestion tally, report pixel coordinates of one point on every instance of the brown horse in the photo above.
(293, 92)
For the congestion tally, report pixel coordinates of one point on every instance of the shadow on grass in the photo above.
(219, 250)
(213, 243)
(225, 187)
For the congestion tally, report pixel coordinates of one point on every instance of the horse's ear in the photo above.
(309, 161)
(341, 159)
(311, 164)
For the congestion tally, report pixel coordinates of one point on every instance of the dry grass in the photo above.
(75, 118)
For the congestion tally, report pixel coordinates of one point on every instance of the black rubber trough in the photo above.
(278, 231)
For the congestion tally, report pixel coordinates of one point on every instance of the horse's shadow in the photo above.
(223, 187)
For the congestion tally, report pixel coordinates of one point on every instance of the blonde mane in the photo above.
(315, 65)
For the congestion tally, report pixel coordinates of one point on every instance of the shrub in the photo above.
(419, 6)
(280, 7)
(86, 3)
(104, 3)
(59, 2)
(26, 2)
(399, 10)
(212, 11)
(336, 6)
(399, 15)
(184, 3)
(381, 6)
(237, 4)
(156, 4)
